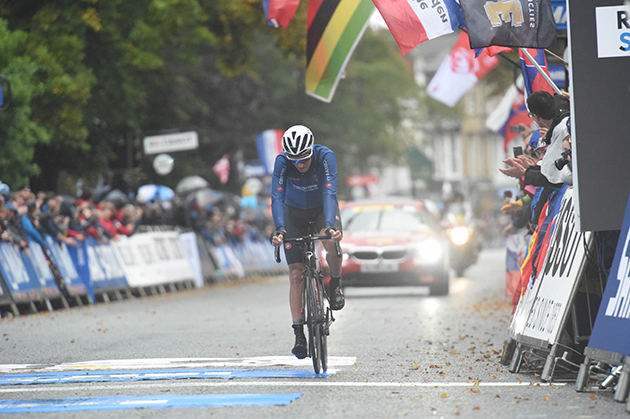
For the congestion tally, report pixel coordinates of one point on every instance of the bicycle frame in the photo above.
(317, 312)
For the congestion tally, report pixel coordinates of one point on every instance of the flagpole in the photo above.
(541, 71)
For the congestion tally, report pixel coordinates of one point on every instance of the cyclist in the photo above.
(304, 188)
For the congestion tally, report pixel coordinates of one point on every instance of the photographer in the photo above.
(563, 164)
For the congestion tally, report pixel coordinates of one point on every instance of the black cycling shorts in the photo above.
(296, 223)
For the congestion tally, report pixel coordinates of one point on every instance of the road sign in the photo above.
(171, 142)
(163, 164)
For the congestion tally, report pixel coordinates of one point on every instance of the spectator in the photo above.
(14, 225)
(56, 218)
(9, 235)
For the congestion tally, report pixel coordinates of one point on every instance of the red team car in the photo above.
(394, 241)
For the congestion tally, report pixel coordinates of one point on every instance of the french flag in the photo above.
(269, 145)
(412, 22)
(280, 12)
(532, 78)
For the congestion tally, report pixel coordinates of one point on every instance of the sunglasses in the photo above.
(300, 159)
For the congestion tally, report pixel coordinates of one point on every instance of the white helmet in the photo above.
(297, 142)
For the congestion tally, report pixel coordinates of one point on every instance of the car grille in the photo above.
(365, 255)
(394, 254)
(379, 253)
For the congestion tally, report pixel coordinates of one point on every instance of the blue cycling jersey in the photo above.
(317, 186)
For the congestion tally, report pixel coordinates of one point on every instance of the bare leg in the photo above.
(295, 290)
(334, 262)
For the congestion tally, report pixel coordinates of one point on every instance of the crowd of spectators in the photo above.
(543, 173)
(25, 215)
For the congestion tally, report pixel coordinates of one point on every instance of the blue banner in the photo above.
(78, 256)
(612, 324)
(560, 13)
(63, 262)
(21, 285)
(104, 269)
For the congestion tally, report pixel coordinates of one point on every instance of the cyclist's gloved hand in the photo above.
(277, 237)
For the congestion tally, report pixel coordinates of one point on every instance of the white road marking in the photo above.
(164, 363)
(269, 383)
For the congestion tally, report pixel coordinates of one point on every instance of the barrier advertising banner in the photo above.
(153, 258)
(21, 285)
(188, 242)
(103, 267)
(64, 264)
(613, 319)
(560, 276)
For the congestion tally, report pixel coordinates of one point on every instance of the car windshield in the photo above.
(384, 218)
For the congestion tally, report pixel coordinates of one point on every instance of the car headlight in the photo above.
(429, 251)
(459, 235)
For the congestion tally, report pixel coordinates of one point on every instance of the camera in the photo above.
(564, 160)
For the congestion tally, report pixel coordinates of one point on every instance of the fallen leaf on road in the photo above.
(444, 395)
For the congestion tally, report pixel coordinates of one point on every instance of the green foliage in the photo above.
(91, 78)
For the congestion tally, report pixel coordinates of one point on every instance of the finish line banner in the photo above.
(612, 324)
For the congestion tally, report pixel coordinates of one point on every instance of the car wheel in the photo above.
(439, 287)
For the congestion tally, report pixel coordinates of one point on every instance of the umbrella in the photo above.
(151, 192)
(117, 197)
(205, 197)
(190, 184)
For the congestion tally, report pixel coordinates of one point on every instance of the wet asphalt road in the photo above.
(395, 351)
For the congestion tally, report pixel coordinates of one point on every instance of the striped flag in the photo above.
(269, 145)
(334, 28)
(459, 71)
(412, 22)
(280, 12)
(532, 78)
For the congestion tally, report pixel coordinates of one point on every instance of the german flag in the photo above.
(334, 29)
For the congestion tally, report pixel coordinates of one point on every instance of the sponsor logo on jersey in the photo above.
(280, 188)
(287, 246)
(329, 185)
(306, 188)
(326, 170)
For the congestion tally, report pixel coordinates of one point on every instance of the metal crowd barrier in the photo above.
(155, 260)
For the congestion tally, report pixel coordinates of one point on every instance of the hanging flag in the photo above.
(412, 22)
(222, 169)
(334, 29)
(280, 12)
(492, 50)
(459, 71)
(511, 111)
(269, 145)
(510, 23)
(532, 78)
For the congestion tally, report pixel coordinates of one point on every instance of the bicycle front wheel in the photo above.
(313, 320)
(321, 332)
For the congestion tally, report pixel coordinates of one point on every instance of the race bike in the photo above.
(317, 312)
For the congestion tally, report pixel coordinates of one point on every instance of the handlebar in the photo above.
(305, 239)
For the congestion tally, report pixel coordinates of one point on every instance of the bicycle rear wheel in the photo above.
(312, 321)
